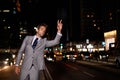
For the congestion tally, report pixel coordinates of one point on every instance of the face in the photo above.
(41, 31)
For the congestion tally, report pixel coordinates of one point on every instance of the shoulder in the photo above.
(44, 39)
(28, 37)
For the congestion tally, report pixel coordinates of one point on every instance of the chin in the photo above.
(41, 35)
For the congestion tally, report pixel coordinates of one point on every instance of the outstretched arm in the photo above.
(58, 36)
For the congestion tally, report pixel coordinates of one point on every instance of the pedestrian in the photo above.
(33, 66)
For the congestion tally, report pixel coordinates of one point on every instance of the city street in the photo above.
(80, 70)
(79, 39)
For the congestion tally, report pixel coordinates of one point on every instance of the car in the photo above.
(103, 56)
(6, 59)
(49, 57)
(71, 56)
(86, 55)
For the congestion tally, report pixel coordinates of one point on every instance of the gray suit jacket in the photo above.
(34, 56)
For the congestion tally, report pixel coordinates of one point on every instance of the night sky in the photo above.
(35, 12)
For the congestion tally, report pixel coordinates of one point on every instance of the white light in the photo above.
(49, 59)
(94, 25)
(61, 47)
(23, 55)
(8, 27)
(77, 46)
(6, 10)
(11, 64)
(20, 36)
(5, 67)
(90, 46)
(4, 20)
(13, 56)
(113, 45)
(87, 41)
(7, 59)
(101, 49)
(84, 49)
(21, 28)
(71, 49)
(5, 62)
(56, 49)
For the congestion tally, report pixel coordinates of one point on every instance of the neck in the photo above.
(38, 36)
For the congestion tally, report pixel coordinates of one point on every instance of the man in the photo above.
(33, 48)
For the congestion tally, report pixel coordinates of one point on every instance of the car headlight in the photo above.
(5, 62)
(7, 59)
(49, 59)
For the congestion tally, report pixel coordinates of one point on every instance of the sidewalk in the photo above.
(101, 65)
(112, 62)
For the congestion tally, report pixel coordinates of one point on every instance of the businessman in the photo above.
(33, 48)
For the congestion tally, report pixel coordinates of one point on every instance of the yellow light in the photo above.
(82, 55)
(110, 33)
(67, 55)
(60, 53)
(54, 55)
(57, 52)
(45, 56)
(75, 55)
(90, 54)
(5, 67)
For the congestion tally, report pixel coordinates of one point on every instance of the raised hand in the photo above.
(59, 26)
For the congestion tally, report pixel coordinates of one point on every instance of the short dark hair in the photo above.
(42, 24)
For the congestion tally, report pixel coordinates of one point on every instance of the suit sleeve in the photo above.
(50, 43)
(21, 51)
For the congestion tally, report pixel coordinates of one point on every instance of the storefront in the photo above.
(110, 39)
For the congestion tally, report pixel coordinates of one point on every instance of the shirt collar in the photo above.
(36, 37)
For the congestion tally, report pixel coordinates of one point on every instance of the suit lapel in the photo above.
(30, 40)
(39, 43)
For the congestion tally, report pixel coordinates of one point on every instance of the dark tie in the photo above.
(35, 43)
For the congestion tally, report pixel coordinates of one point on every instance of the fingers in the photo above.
(59, 21)
(17, 70)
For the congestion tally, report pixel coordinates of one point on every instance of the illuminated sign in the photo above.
(110, 37)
